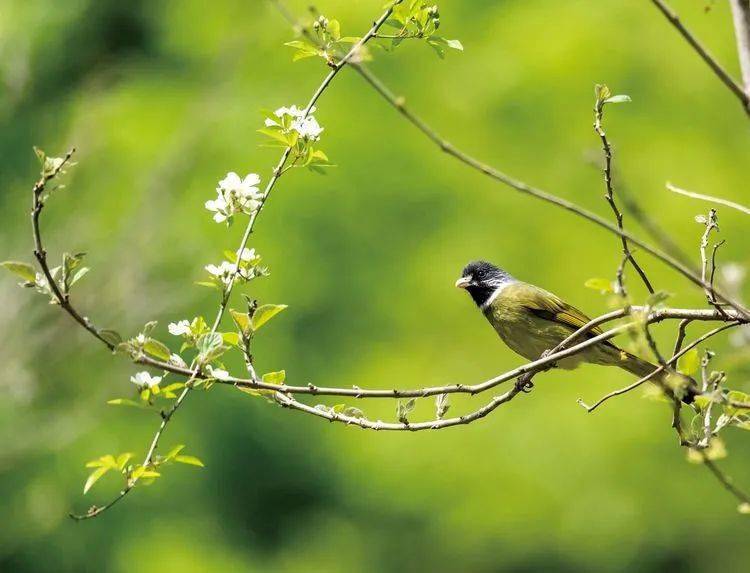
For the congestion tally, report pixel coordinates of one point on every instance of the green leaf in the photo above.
(618, 99)
(123, 459)
(111, 336)
(124, 402)
(242, 320)
(23, 270)
(231, 338)
(94, 477)
(207, 284)
(189, 460)
(156, 349)
(274, 377)
(602, 285)
(334, 28)
(277, 134)
(209, 342)
(173, 452)
(689, 362)
(264, 313)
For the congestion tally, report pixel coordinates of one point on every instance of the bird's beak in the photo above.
(463, 282)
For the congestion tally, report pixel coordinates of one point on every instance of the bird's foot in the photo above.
(524, 383)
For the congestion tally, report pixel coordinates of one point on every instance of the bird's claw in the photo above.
(524, 383)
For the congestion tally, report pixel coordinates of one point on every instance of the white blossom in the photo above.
(223, 272)
(218, 373)
(250, 256)
(308, 128)
(180, 328)
(141, 339)
(145, 380)
(235, 195)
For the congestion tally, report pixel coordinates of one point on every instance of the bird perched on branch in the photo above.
(532, 321)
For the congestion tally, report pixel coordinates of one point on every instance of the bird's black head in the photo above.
(481, 279)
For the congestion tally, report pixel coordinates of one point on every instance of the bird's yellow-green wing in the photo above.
(548, 306)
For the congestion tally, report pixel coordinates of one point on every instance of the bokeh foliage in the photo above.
(163, 98)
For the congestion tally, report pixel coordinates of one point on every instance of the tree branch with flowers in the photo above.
(198, 364)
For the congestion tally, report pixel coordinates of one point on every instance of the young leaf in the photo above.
(190, 460)
(689, 362)
(157, 349)
(242, 320)
(403, 409)
(274, 377)
(264, 313)
(618, 99)
(442, 405)
(94, 477)
(23, 270)
(111, 336)
(124, 402)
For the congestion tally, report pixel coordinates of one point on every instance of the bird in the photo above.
(532, 321)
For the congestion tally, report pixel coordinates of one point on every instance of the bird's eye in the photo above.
(480, 274)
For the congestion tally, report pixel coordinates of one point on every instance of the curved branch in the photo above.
(704, 54)
(702, 197)
(560, 352)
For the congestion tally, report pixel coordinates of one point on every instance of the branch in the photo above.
(610, 196)
(673, 360)
(702, 197)
(287, 401)
(741, 16)
(194, 371)
(560, 352)
(703, 52)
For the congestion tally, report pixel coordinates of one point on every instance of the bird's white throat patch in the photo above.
(496, 293)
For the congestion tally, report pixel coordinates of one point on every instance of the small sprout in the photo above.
(403, 409)
(442, 405)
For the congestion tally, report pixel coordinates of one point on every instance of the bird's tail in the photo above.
(642, 368)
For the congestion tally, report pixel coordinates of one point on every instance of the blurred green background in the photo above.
(162, 98)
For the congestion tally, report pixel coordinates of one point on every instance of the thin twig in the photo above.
(287, 401)
(709, 198)
(610, 197)
(705, 55)
(671, 361)
(560, 352)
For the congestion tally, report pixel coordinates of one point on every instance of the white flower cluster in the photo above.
(307, 127)
(223, 272)
(145, 380)
(235, 195)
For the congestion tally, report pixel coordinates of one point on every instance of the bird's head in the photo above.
(481, 279)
